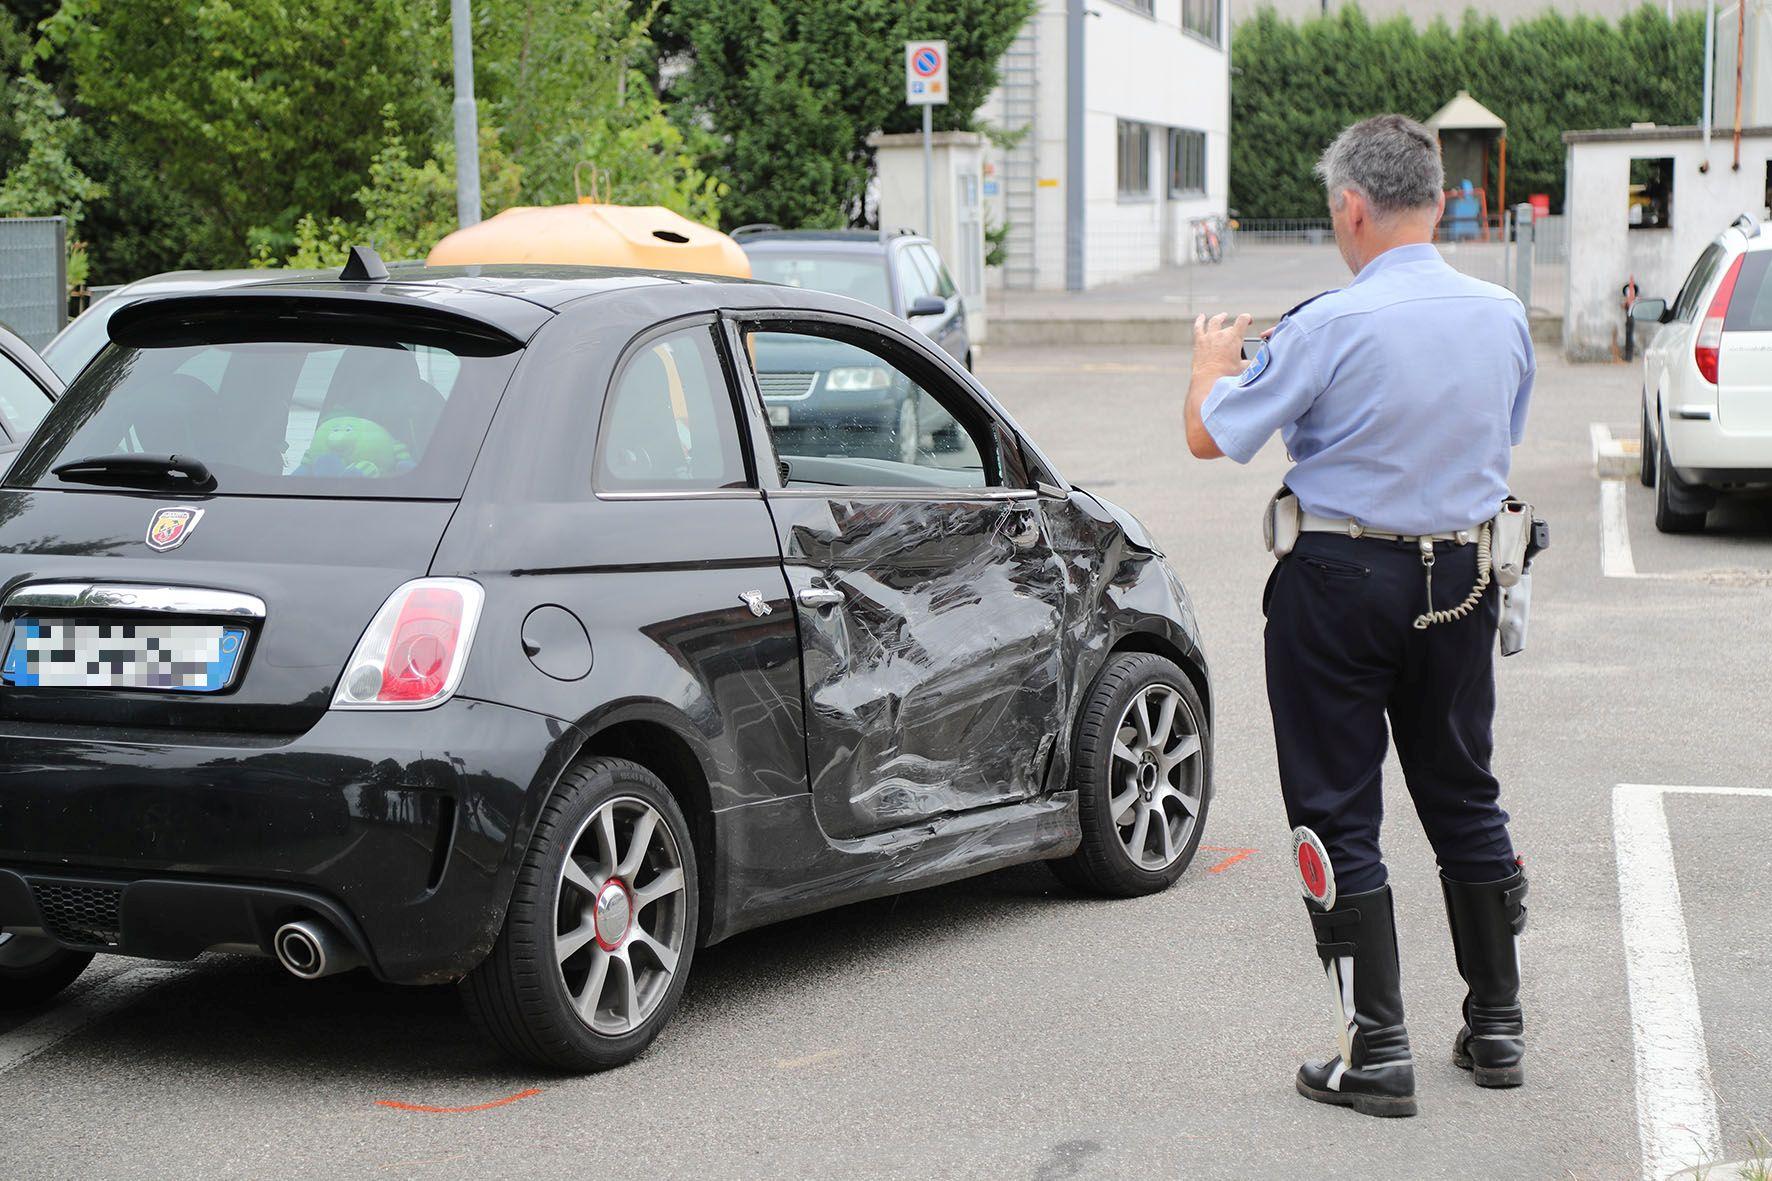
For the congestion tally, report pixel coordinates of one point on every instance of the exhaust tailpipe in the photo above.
(309, 950)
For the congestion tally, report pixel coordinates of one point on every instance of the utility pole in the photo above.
(467, 118)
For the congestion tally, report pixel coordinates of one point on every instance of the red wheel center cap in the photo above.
(613, 914)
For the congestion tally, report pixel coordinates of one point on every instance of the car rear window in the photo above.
(860, 277)
(275, 408)
(1750, 308)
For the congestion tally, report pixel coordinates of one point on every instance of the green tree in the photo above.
(254, 112)
(792, 89)
(566, 81)
(39, 173)
(1296, 85)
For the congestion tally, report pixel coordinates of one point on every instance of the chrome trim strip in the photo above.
(846, 492)
(687, 494)
(120, 596)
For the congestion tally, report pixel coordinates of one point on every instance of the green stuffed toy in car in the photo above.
(345, 446)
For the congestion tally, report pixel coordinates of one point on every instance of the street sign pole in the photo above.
(467, 119)
(928, 174)
(926, 85)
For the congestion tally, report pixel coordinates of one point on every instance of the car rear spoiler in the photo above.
(303, 313)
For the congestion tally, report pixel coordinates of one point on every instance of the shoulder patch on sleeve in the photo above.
(1257, 367)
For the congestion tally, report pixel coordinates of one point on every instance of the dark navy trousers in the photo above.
(1343, 654)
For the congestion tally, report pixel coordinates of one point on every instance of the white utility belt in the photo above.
(1501, 543)
(1348, 527)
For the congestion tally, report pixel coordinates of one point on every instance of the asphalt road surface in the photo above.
(1005, 1028)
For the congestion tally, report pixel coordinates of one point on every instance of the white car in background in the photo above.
(88, 333)
(1707, 380)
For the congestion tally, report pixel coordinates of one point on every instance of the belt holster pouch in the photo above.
(1280, 525)
(1509, 535)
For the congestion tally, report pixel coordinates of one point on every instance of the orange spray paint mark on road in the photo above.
(1236, 855)
(423, 1109)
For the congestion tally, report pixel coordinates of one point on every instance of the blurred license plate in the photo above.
(778, 415)
(113, 654)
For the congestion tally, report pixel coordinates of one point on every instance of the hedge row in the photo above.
(1296, 85)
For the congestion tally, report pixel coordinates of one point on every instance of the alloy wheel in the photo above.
(620, 927)
(1156, 776)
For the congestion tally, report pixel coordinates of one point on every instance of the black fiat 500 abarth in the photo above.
(470, 625)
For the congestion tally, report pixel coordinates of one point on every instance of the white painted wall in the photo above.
(1604, 251)
(1149, 69)
(1138, 67)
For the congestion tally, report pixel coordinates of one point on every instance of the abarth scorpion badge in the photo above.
(755, 601)
(171, 526)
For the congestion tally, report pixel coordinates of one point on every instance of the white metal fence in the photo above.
(34, 277)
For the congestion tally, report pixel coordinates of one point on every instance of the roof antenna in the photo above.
(363, 266)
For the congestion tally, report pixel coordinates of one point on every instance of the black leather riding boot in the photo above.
(1486, 917)
(1374, 1074)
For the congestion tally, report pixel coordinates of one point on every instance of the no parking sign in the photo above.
(925, 73)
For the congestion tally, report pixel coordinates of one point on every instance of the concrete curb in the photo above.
(1614, 459)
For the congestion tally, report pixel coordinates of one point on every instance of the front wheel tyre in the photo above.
(597, 943)
(34, 969)
(1669, 516)
(1143, 775)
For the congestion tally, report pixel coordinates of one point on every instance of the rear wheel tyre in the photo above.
(1646, 454)
(1143, 775)
(1668, 519)
(34, 969)
(597, 943)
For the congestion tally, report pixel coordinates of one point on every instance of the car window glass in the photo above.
(843, 415)
(670, 424)
(82, 339)
(1750, 307)
(915, 276)
(859, 276)
(944, 282)
(271, 413)
(22, 401)
(1699, 278)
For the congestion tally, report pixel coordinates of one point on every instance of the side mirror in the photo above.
(927, 305)
(1649, 311)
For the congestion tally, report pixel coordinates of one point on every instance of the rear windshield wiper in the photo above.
(159, 471)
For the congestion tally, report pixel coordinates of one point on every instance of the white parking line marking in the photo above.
(78, 1011)
(1676, 1102)
(1615, 555)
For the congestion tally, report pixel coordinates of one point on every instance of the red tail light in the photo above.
(1709, 341)
(423, 647)
(414, 652)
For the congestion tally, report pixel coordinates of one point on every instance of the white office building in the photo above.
(1123, 113)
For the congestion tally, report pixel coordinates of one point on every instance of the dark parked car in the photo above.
(830, 399)
(471, 625)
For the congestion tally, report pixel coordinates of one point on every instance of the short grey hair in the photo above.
(1392, 160)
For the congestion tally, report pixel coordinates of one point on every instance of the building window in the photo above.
(1135, 159)
(1202, 17)
(1148, 7)
(1187, 162)
(1652, 193)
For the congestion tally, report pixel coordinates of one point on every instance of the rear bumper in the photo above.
(1703, 452)
(401, 829)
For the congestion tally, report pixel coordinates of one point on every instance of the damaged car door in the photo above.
(929, 598)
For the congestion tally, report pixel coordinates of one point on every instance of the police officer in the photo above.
(1398, 398)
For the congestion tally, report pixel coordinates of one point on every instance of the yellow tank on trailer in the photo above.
(648, 237)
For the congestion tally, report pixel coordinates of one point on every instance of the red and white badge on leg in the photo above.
(1315, 873)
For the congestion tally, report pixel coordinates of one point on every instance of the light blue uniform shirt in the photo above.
(1398, 397)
